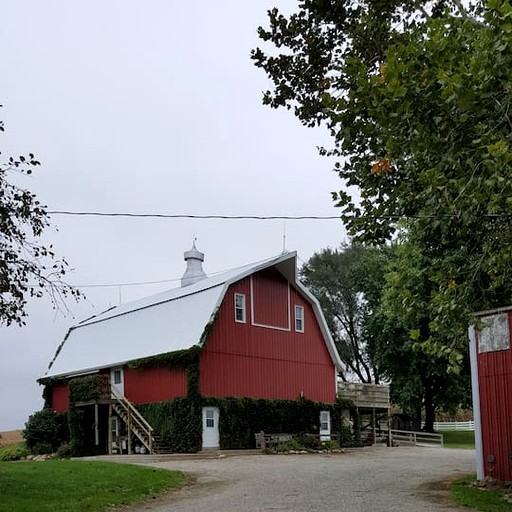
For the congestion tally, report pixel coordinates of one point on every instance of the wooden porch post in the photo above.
(129, 432)
(374, 426)
(96, 429)
(110, 429)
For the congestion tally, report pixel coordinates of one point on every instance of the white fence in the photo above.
(454, 425)
(417, 438)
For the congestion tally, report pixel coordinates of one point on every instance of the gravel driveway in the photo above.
(379, 479)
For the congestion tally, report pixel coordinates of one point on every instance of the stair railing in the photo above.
(135, 417)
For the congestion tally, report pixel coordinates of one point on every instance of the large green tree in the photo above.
(348, 284)
(417, 98)
(28, 268)
(376, 303)
(420, 382)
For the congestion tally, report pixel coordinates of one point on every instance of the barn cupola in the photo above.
(194, 271)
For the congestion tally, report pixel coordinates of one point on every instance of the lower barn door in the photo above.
(210, 427)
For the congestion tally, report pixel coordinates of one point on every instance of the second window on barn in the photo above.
(299, 318)
(239, 307)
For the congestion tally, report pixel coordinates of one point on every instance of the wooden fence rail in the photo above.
(417, 438)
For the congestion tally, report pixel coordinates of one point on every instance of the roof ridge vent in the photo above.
(194, 271)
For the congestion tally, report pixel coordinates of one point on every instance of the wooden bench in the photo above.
(266, 440)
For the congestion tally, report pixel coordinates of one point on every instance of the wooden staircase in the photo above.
(137, 425)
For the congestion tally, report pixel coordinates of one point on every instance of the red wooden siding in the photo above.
(270, 299)
(246, 360)
(145, 385)
(495, 385)
(60, 398)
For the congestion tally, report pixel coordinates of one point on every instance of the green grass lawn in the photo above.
(76, 486)
(459, 439)
(484, 500)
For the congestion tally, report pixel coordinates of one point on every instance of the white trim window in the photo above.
(299, 318)
(325, 425)
(118, 379)
(240, 308)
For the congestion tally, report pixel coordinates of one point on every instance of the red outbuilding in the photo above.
(258, 333)
(491, 375)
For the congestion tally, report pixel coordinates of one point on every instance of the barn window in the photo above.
(210, 418)
(239, 307)
(117, 377)
(299, 318)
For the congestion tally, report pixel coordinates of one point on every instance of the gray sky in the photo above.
(148, 107)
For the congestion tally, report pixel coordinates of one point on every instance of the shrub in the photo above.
(63, 451)
(46, 427)
(13, 452)
(310, 443)
(288, 446)
(302, 443)
(41, 448)
(331, 445)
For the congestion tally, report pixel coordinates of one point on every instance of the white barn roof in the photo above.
(166, 322)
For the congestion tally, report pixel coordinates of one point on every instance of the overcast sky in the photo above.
(148, 107)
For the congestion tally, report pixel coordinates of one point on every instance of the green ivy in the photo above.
(77, 440)
(59, 348)
(48, 383)
(173, 360)
(178, 422)
(241, 418)
(208, 329)
(89, 388)
(193, 390)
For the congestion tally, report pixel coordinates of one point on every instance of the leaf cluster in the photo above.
(28, 268)
(348, 284)
(417, 98)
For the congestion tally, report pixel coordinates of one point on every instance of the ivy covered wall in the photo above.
(179, 422)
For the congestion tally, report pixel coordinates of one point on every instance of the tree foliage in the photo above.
(28, 268)
(47, 428)
(417, 98)
(348, 285)
(417, 370)
(376, 303)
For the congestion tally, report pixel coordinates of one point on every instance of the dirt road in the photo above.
(380, 479)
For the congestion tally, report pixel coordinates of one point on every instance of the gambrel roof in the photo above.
(166, 322)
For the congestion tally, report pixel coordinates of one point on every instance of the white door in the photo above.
(210, 427)
(117, 380)
(325, 426)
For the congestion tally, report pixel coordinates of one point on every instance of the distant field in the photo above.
(464, 439)
(11, 437)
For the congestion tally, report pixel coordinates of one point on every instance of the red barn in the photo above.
(491, 375)
(258, 331)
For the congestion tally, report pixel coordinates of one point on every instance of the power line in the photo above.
(143, 283)
(262, 217)
(187, 216)
(116, 285)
